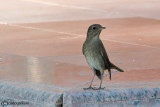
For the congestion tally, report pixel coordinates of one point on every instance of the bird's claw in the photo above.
(88, 88)
(100, 88)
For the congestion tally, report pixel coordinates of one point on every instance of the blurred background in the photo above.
(41, 40)
(32, 11)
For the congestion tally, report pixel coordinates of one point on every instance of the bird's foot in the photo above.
(100, 88)
(88, 88)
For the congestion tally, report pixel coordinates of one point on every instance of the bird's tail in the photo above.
(115, 67)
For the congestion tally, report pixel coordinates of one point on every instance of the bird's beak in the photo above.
(103, 27)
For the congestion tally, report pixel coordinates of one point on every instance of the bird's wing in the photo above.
(104, 55)
(108, 64)
(105, 58)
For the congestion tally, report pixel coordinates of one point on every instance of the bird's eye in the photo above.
(94, 27)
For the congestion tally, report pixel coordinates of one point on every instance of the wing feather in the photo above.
(104, 55)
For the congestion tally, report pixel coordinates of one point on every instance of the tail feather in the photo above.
(115, 67)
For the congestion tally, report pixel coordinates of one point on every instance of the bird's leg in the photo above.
(100, 87)
(90, 87)
(100, 83)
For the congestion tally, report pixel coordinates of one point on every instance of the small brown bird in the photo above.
(96, 55)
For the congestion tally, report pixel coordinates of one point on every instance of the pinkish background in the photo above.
(41, 42)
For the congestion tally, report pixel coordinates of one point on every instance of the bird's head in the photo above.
(94, 30)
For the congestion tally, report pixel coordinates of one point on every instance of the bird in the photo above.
(96, 55)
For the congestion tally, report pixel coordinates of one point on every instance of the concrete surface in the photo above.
(13, 92)
(41, 41)
(141, 97)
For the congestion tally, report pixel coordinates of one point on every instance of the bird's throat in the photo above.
(93, 37)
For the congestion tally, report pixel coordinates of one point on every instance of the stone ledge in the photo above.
(99, 98)
(35, 97)
(113, 98)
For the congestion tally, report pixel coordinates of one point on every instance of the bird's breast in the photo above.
(89, 49)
